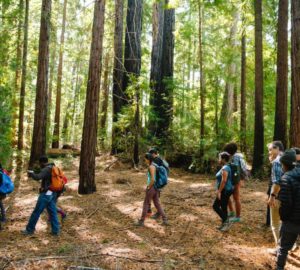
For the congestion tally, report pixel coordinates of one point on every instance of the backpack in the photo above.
(7, 185)
(235, 173)
(161, 176)
(166, 166)
(58, 179)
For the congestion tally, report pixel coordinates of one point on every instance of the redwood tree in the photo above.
(258, 153)
(119, 97)
(38, 146)
(87, 183)
(132, 60)
(23, 79)
(56, 131)
(295, 95)
(280, 129)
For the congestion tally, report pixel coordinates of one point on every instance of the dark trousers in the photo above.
(220, 206)
(2, 209)
(152, 194)
(288, 236)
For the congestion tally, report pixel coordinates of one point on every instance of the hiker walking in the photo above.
(289, 197)
(151, 192)
(275, 152)
(224, 190)
(47, 198)
(238, 160)
(160, 162)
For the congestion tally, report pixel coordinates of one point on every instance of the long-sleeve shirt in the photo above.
(45, 176)
(276, 172)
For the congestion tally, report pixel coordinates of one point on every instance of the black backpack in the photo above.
(235, 173)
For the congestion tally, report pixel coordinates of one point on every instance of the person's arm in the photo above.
(277, 173)
(244, 168)
(152, 171)
(285, 198)
(223, 183)
(39, 176)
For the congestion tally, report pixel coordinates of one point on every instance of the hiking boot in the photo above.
(139, 223)
(155, 216)
(231, 214)
(25, 232)
(165, 222)
(235, 219)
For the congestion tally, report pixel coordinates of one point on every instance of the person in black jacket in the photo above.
(46, 199)
(289, 196)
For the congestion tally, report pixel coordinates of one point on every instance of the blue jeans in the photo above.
(44, 201)
(288, 236)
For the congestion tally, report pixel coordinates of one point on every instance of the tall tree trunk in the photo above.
(280, 129)
(55, 141)
(18, 72)
(87, 183)
(166, 86)
(243, 94)
(228, 100)
(23, 79)
(258, 154)
(156, 62)
(52, 68)
(119, 97)
(104, 98)
(202, 80)
(295, 95)
(132, 60)
(38, 146)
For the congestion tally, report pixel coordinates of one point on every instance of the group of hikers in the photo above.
(283, 212)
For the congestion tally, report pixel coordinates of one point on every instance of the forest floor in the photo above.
(99, 231)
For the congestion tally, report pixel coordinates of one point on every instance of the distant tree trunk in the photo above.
(104, 98)
(280, 129)
(156, 63)
(216, 101)
(52, 68)
(119, 97)
(243, 94)
(228, 99)
(23, 79)
(295, 95)
(165, 110)
(258, 154)
(38, 146)
(132, 59)
(87, 183)
(202, 81)
(55, 140)
(18, 71)
(78, 84)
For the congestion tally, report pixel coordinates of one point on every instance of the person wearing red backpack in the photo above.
(46, 200)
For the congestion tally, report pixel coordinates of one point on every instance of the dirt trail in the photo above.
(99, 229)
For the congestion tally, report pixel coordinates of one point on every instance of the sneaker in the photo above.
(165, 222)
(25, 232)
(226, 226)
(139, 223)
(272, 251)
(155, 216)
(231, 214)
(235, 219)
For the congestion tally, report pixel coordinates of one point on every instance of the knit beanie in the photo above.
(289, 157)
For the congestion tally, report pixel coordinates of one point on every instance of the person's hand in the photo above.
(218, 194)
(272, 201)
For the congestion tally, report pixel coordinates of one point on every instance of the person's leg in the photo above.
(51, 207)
(275, 222)
(230, 206)
(237, 201)
(147, 201)
(223, 203)
(41, 204)
(157, 204)
(218, 210)
(286, 242)
(2, 209)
